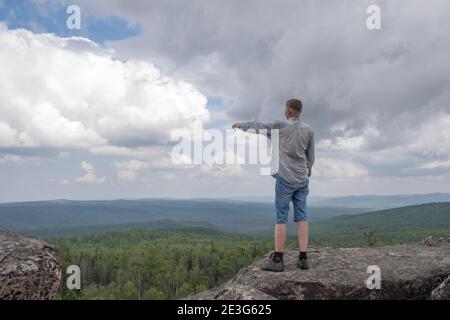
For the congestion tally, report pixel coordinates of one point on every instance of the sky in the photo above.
(89, 113)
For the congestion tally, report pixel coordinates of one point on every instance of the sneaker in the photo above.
(303, 264)
(271, 265)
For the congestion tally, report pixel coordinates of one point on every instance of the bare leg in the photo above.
(302, 227)
(280, 237)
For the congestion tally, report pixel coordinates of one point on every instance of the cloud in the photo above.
(18, 159)
(90, 176)
(146, 160)
(431, 137)
(162, 162)
(329, 168)
(7, 135)
(63, 155)
(221, 171)
(69, 93)
(364, 91)
(341, 143)
(127, 170)
(436, 165)
(86, 166)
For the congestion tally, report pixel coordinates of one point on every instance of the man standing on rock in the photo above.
(296, 158)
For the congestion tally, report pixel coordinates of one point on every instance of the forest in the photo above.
(155, 264)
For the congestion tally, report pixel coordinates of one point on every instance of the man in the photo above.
(296, 158)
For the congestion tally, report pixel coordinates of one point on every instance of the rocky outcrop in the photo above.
(29, 268)
(442, 292)
(414, 271)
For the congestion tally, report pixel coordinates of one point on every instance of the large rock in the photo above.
(442, 292)
(29, 268)
(415, 271)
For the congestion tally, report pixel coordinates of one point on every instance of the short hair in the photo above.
(295, 105)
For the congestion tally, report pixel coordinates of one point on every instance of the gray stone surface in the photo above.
(442, 292)
(29, 268)
(414, 271)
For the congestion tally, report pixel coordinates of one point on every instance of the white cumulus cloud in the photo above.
(69, 93)
(127, 170)
(329, 168)
(18, 159)
(89, 176)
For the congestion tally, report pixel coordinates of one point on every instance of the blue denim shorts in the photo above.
(285, 192)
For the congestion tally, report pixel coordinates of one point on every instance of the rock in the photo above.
(237, 292)
(442, 292)
(413, 271)
(29, 268)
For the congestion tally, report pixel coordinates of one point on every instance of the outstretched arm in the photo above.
(255, 125)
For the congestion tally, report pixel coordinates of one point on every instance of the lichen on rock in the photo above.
(29, 268)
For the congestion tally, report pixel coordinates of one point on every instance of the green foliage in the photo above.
(393, 226)
(167, 264)
(370, 238)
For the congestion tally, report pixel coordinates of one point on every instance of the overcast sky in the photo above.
(88, 114)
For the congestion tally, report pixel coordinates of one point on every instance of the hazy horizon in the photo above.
(242, 198)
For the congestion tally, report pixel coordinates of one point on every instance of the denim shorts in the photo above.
(285, 192)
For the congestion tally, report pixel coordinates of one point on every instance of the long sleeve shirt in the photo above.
(295, 150)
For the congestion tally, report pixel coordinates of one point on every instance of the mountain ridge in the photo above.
(227, 215)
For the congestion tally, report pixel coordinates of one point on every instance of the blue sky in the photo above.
(51, 17)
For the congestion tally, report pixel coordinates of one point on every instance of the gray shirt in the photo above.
(296, 147)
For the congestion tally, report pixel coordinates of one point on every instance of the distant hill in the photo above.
(389, 226)
(370, 202)
(64, 217)
(380, 201)
(60, 216)
(165, 224)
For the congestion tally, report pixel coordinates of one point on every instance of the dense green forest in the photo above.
(156, 264)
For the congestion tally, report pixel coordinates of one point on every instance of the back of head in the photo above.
(294, 106)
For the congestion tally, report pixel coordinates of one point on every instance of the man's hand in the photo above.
(236, 126)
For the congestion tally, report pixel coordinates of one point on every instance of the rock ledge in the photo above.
(413, 271)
